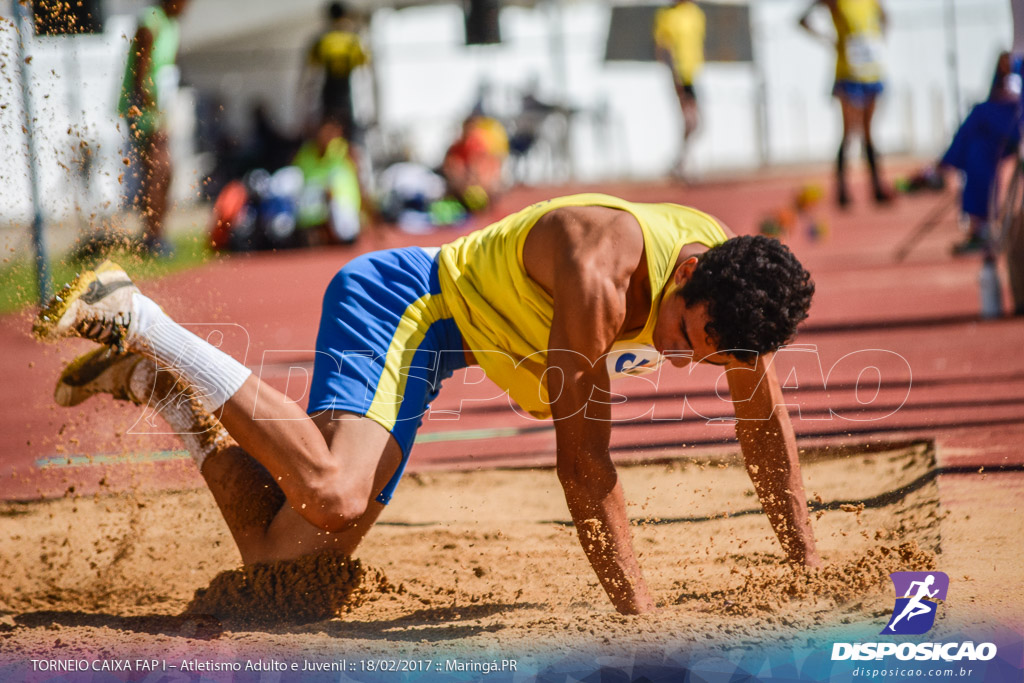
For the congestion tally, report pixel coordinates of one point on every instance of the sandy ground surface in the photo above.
(484, 562)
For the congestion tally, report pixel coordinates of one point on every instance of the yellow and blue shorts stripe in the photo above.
(386, 342)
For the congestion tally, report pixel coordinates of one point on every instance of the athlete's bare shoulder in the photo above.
(595, 241)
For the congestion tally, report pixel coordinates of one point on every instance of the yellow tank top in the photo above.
(505, 317)
(680, 31)
(859, 41)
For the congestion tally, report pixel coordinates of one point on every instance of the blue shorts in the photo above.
(859, 94)
(386, 342)
(989, 134)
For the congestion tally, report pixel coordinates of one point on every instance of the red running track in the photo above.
(891, 352)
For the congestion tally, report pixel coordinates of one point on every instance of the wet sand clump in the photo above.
(307, 589)
(767, 588)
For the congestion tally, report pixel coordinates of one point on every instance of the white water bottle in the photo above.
(990, 290)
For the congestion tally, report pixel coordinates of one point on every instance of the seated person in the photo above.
(473, 164)
(329, 206)
(989, 134)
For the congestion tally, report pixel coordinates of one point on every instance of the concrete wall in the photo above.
(627, 126)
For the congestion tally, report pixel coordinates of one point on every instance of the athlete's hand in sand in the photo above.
(769, 451)
(812, 560)
(587, 274)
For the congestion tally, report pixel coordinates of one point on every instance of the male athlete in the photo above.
(538, 300)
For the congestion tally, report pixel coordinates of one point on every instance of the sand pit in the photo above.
(485, 561)
(309, 589)
(769, 586)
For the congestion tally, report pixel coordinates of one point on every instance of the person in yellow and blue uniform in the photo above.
(859, 31)
(553, 302)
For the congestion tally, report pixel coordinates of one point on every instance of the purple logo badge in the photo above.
(916, 596)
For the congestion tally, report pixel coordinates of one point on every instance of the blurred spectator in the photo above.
(264, 147)
(413, 197)
(473, 164)
(679, 42)
(331, 59)
(270, 148)
(538, 122)
(330, 202)
(989, 134)
(859, 26)
(150, 78)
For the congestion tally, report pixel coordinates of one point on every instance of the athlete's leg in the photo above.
(277, 433)
(881, 193)
(328, 484)
(372, 456)
(267, 527)
(851, 126)
(156, 184)
(264, 526)
(248, 497)
(691, 114)
(268, 426)
(104, 305)
(691, 121)
(852, 117)
(867, 115)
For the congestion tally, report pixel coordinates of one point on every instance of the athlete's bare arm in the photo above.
(805, 23)
(769, 450)
(585, 258)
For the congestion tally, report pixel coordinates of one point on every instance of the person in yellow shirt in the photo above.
(859, 30)
(553, 302)
(332, 57)
(679, 42)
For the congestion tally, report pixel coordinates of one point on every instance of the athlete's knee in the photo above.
(335, 515)
(333, 506)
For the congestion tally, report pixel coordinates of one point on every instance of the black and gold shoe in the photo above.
(100, 371)
(96, 305)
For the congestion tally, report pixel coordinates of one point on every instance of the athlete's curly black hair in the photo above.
(756, 291)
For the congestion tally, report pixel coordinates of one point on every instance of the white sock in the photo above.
(177, 405)
(214, 375)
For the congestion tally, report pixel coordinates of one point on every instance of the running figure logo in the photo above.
(916, 596)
